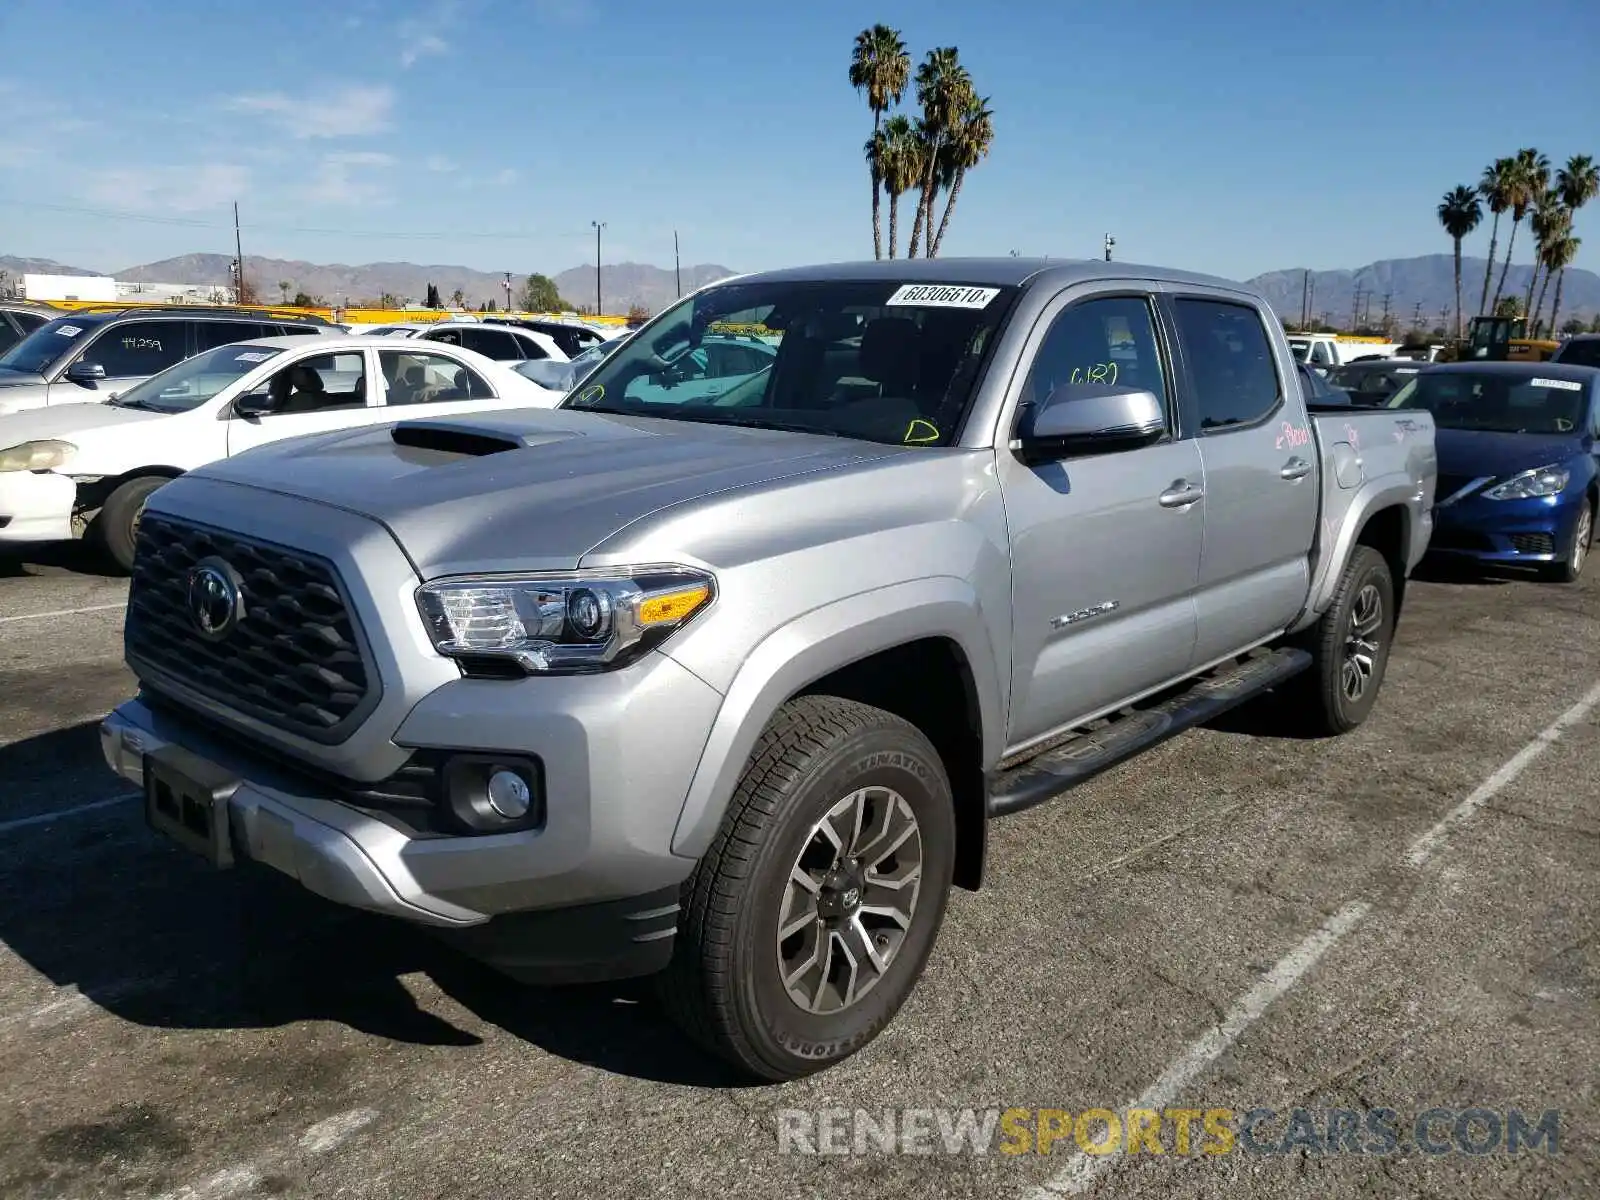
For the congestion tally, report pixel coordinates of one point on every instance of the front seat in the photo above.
(308, 393)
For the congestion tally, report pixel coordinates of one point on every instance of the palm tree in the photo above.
(943, 90)
(283, 286)
(900, 158)
(1551, 222)
(968, 146)
(1562, 251)
(881, 67)
(458, 298)
(1548, 217)
(1578, 181)
(924, 153)
(1496, 187)
(1530, 178)
(1459, 213)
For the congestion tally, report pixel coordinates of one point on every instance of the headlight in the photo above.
(1543, 481)
(563, 623)
(36, 456)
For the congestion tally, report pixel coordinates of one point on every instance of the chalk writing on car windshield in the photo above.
(920, 432)
(1100, 372)
(592, 394)
(138, 343)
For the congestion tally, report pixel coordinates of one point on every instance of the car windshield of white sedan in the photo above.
(882, 361)
(1492, 402)
(192, 382)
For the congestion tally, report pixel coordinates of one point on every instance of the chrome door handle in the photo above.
(1295, 468)
(1181, 494)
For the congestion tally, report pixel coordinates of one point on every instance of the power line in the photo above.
(197, 223)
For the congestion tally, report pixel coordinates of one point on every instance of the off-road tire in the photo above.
(1322, 705)
(724, 986)
(114, 531)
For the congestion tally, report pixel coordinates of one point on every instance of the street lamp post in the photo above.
(598, 226)
(1110, 242)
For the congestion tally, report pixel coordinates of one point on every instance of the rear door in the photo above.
(424, 381)
(1105, 548)
(1260, 468)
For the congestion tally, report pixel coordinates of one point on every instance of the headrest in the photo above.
(889, 349)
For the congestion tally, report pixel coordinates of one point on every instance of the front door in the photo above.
(318, 393)
(1105, 555)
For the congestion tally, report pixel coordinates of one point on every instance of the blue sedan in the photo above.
(1519, 468)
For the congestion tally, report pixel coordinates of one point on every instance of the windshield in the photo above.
(882, 361)
(1496, 403)
(1299, 347)
(44, 347)
(192, 382)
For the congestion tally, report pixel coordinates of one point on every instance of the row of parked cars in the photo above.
(718, 671)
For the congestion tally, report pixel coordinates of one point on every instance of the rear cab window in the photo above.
(1230, 364)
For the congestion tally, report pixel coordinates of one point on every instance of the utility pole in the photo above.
(598, 226)
(1386, 297)
(506, 283)
(677, 265)
(1305, 298)
(1110, 242)
(1416, 317)
(1444, 317)
(1355, 311)
(238, 250)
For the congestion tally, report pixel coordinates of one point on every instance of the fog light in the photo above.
(509, 795)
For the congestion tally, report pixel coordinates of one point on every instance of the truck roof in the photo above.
(993, 272)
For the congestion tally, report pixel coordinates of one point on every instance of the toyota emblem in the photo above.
(215, 605)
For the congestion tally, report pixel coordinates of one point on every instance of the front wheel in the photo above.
(116, 529)
(1349, 648)
(809, 920)
(1570, 565)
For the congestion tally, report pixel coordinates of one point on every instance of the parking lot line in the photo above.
(46, 818)
(62, 612)
(1424, 847)
(319, 1139)
(1082, 1168)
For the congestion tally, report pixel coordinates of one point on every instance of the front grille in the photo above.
(1533, 543)
(294, 660)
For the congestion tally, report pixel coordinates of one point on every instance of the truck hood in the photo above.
(1476, 452)
(10, 378)
(571, 481)
(67, 420)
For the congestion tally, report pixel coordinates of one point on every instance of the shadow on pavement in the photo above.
(77, 557)
(1448, 570)
(97, 902)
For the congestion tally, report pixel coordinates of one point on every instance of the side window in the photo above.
(1321, 355)
(528, 348)
(420, 377)
(450, 337)
(9, 337)
(1110, 341)
(211, 334)
(139, 347)
(28, 321)
(498, 344)
(1230, 362)
(316, 384)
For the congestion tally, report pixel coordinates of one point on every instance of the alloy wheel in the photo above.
(1585, 534)
(1361, 644)
(849, 900)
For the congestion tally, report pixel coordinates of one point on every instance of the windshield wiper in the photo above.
(723, 416)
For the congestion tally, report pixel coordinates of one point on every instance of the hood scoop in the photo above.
(465, 438)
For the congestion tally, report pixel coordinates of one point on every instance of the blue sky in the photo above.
(1232, 137)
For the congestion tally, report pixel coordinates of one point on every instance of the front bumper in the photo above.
(1505, 531)
(36, 506)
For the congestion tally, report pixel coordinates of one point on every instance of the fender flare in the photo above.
(1369, 499)
(814, 645)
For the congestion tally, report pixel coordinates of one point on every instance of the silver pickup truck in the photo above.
(724, 683)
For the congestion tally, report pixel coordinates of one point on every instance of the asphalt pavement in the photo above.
(1401, 921)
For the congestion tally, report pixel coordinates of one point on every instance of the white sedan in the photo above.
(86, 469)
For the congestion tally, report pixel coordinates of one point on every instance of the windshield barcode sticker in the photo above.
(252, 356)
(69, 331)
(942, 295)
(1566, 385)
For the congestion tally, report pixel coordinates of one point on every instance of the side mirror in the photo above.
(1089, 418)
(253, 406)
(86, 372)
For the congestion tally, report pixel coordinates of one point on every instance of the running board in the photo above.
(1059, 770)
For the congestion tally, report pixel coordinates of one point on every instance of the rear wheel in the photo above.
(1349, 647)
(1571, 563)
(809, 920)
(116, 529)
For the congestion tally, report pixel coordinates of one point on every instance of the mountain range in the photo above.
(623, 285)
(1428, 280)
